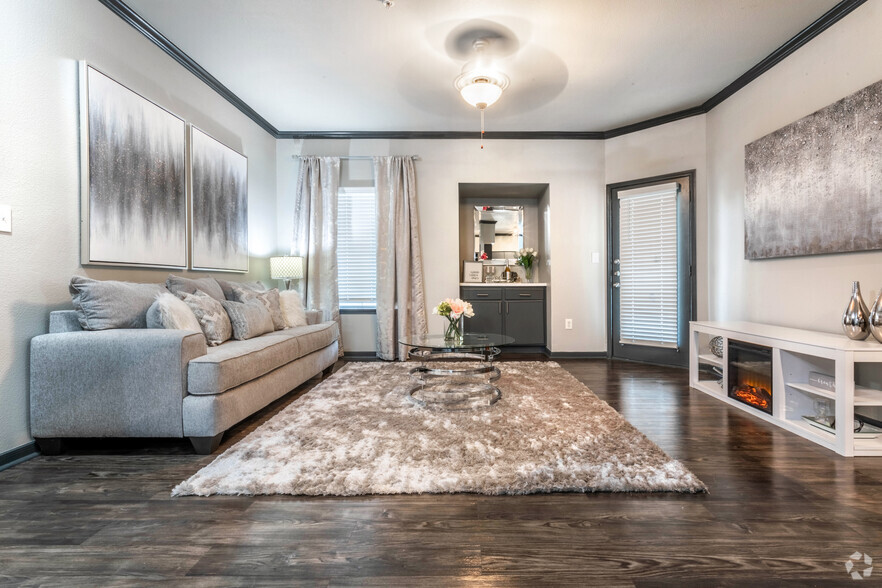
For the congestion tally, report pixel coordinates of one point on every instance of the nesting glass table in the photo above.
(451, 386)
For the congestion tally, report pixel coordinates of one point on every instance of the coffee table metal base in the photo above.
(454, 388)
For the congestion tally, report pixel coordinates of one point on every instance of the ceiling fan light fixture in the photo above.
(481, 90)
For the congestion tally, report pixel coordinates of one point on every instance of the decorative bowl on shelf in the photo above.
(716, 346)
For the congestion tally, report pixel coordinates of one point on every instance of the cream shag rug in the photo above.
(357, 433)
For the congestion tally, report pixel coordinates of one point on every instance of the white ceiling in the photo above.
(574, 65)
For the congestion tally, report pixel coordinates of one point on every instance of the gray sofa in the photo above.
(163, 382)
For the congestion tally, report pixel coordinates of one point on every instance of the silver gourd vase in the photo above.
(856, 319)
(875, 321)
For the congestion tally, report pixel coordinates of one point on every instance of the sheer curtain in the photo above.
(315, 233)
(401, 302)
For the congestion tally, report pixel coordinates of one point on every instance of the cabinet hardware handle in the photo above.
(507, 307)
(525, 295)
(482, 295)
(500, 307)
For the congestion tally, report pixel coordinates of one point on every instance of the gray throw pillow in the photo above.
(112, 305)
(227, 288)
(179, 285)
(249, 319)
(211, 316)
(270, 300)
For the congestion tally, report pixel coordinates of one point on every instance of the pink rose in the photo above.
(456, 307)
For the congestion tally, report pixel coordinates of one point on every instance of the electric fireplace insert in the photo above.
(750, 374)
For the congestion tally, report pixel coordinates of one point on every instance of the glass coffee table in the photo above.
(453, 387)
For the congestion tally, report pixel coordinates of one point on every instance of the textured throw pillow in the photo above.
(170, 312)
(227, 287)
(112, 305)
(249, 319)
(212, 317)
(180, 285)
(270, 300)
(292, 308)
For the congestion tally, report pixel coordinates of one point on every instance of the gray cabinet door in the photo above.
(525, 321)
(488, 317)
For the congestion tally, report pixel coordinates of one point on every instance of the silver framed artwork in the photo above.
(133, 192)
(218, 205)
(815, 186)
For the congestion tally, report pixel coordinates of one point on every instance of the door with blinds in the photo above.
(651, 269)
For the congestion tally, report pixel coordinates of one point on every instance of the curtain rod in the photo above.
(353, 156)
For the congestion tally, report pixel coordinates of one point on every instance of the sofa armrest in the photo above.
(113, 383)
(315, 316)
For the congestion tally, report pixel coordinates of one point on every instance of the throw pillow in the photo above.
(249, 319)
(180, 285)
(270, 300)
(170, 312)
(227, 287)
(212, 317)
(292, 308)
(112, 305)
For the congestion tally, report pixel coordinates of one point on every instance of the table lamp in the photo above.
(286, 267)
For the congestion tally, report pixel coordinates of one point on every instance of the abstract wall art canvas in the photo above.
(815, 186)
(134, 192)
(219, 200)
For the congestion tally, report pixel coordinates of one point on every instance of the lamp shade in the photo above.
(286, 267)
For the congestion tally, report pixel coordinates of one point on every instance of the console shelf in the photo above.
(856, 367)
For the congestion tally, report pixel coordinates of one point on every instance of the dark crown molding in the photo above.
(829, 18)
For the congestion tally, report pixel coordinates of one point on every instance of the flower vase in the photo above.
(856, 319)
(454, 329)
(528, 273)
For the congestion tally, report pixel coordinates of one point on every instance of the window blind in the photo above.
(648, 264)
(357, 247)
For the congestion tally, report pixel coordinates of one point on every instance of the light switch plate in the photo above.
(5, 218)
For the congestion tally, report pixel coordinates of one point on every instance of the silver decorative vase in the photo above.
(856, 319)
(875, 321)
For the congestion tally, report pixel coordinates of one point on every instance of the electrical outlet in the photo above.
(5, 218)
(568, 324)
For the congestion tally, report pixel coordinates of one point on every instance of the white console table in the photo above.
(856, 365)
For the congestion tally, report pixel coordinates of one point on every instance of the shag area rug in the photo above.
(357, 433)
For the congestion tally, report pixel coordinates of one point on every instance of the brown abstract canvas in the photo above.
(815, 186)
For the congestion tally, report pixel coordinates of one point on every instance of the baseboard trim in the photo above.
(361, 355)
(577, 355)
(18, 455)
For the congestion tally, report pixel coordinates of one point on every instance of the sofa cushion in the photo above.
(179, 285)
(212, 317)
(112, 305)
(269, 298)
(292, 309)
(170, 312)
(236, 362)
(249, 319)
(227, 287)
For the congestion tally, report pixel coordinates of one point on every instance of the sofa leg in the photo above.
(49, 445)
(328, 371)
(206, 445)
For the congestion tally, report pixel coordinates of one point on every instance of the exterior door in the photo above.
(651, 268)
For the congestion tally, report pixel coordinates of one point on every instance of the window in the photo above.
(357, 248)
(648, 255)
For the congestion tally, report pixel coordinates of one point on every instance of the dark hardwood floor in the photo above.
(781, 511)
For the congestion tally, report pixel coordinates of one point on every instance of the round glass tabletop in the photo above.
(468, 341)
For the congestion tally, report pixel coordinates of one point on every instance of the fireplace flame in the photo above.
(753, 395)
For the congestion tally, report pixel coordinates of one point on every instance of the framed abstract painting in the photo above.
(219, 205)
(133, 192)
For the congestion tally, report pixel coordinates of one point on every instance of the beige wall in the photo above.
(807, 292)
(42, 41)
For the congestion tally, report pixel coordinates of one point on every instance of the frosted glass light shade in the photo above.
(481, 93)
(287, 267)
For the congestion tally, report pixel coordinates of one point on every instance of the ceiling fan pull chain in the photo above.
(482, 128)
